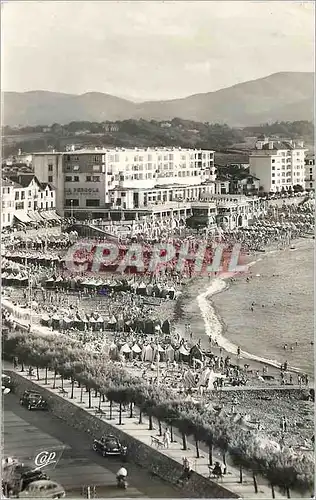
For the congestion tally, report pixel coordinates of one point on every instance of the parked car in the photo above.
(28, 475)
(33, 401)
(43, 489)
(6, 382)
(109, 445)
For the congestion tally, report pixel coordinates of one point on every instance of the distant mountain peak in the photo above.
(281, 96)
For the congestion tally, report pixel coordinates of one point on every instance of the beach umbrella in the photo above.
(136, 349)
(125, 349)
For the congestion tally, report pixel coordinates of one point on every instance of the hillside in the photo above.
(285, 96)
(143, 133)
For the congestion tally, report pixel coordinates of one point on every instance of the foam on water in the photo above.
(214, 328)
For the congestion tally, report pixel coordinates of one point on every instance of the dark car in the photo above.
(33, 401)
(7, 382)
(27, 475)
(109, 445)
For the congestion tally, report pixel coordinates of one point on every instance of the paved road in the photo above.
(26, 433)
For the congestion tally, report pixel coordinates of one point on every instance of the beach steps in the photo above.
(175, 451)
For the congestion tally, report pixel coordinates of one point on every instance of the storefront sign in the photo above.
(84, 190)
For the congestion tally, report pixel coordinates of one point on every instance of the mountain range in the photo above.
(286, 96)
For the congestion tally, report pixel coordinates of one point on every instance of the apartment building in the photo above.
(7, 202)
(280, 165)
(92, 181)
(26, 198)
(310, 172)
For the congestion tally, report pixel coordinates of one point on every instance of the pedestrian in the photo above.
(238, 351)
(167, 438)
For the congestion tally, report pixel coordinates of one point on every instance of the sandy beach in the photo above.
(279, 280)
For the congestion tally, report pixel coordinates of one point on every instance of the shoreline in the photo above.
(214, 324)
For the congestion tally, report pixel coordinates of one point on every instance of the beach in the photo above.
(281, 287)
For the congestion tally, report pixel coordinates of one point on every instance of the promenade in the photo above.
(141, 432)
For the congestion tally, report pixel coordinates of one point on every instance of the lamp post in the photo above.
(158, 355)
(72, 209)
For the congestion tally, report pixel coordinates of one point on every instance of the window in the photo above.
(50, 167)
(68, 178)
(92, 203)
(41, 204)
(96, 178)
(88, 178)
(72, 202)
(9, 217)
(310, 185)
(273, 182)
(96, 159)
(30, 194)
(76, 168)
(52, 204)
(76, 178)
(17, 195)
(50, 178)
(23, 195)
(30, 204)
(51, 194)
(96, 168)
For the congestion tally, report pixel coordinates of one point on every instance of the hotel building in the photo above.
(102, 183)
(279, 165)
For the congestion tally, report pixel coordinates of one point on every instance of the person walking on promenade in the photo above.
(283, 424)
(167, 438)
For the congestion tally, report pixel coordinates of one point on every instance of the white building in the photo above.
(310, 172)
(7, 202)
(92, 181)
(27, 199)
(279, 165)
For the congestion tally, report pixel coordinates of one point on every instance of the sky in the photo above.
(151, 50)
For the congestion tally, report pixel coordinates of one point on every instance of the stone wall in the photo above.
(155, 462)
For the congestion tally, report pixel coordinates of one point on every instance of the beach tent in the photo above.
(189, 380)
(204, 378)
(55, 322)
(183, 353)
(125, 349)
(196, 353)
(170, 354)
(113, 351)
(166, 327)
(136, 350)
(148, 353)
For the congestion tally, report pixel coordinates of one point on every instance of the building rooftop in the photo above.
(119, 150)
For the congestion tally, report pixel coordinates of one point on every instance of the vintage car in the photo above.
(33, 401)
(28, 475)
(43, 489)
(6, 383)
(109, 445)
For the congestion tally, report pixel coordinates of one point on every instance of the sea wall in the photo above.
(155, 462)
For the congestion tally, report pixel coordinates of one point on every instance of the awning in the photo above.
(22, 216)
(32, 216)
(38, 217)
(57, 217)
(52, 215)
(44, 215)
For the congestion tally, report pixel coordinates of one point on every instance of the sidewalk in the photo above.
(141, 432)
